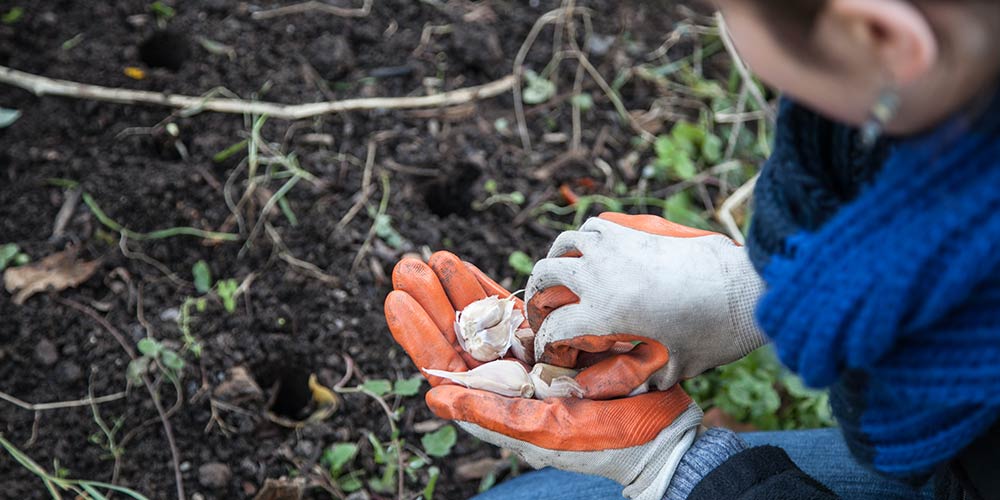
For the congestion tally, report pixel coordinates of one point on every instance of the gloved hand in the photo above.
(690, 290)
(637, 441)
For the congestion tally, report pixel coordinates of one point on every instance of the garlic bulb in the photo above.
(509, 378)
(486, 328)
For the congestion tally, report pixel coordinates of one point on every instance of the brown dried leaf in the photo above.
(56, 272)
(478, 469)
(282, 489)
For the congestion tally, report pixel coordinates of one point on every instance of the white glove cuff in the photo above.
(744, 288)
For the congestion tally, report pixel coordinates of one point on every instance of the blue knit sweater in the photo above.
(883, 274)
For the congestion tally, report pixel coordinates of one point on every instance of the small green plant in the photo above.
(12, 16)
(154, 352)
(677, 154)
(513, 199)
(163, 12)
(537, 89)
(759, 391)
(202, 277)
(54, 483)
(191, 343)
(227, 290)
(335, 458)
(439, 443)
(521, 262)
(583, 101)
(11, 255)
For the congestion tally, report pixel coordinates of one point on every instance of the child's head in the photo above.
(838, 55)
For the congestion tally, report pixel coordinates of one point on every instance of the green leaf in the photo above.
(377, 449)
(21, 259)
(688, 136)
(8, 117)
(673, 158)
(488, 481)
(202, 277)
(136, 369)
(12, 16)
(92, 492)
(711, 148)
(583, 101)
(149, 347)
(439, 442)
(387, 233)
(172, 360)
(162, 10)
(224, 155)
(379, 386)
(433, 473)
(538, 89)
(337, 456)
(681, 210)
(521, 262)
(227, 293)
(350, 483)
(7, 253)
(408, 387)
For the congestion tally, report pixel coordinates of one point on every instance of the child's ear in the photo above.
(895, 31)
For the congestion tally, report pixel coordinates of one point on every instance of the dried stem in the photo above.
(40, 85)
(87, 401)
(311, 6)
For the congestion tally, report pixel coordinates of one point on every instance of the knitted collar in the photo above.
(885, 265)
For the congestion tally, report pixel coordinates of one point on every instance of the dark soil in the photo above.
(290, 324)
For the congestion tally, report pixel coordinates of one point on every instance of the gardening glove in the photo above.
(636, 441)
(690, 290)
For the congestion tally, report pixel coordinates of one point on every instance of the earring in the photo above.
(882, 112)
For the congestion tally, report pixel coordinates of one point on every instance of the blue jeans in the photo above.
(820, 453)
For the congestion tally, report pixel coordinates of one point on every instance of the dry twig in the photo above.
(311, 6)
(41, 85)
(725, 213)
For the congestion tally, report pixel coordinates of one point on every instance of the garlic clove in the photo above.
(503, 377)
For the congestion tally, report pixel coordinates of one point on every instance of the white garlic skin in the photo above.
(509, 378)
(503, 377)
(486, 328)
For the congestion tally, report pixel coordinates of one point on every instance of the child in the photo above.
(873, 265)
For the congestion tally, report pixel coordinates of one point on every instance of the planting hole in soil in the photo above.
(165, 49)
(293, 396)
(453, 194)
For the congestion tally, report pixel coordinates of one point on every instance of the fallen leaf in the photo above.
(282, 489)
(238, 386)
(320, 394)
(478, 469)
(134, 73)
(56, 272)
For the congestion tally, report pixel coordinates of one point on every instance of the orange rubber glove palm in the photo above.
(636, 440)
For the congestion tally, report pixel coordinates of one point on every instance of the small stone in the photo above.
(197, 496)
(238, 386)
(46, 353)
(359, 495)
(214, 475)
(305, 448)
(331, 56)
(170, 314)
(185, 466)
(68, 372)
